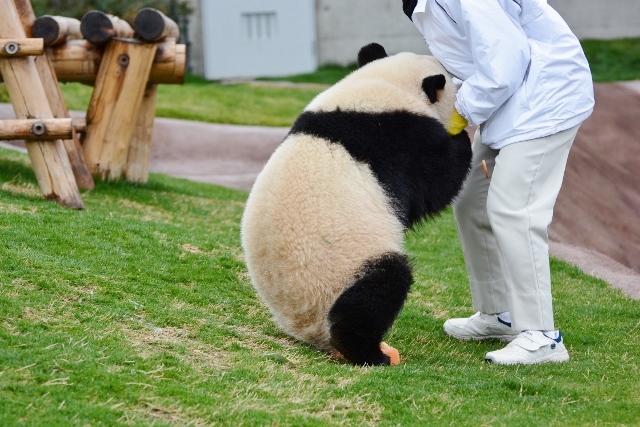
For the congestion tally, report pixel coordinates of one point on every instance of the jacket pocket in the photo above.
(523, 98)
(535, 82)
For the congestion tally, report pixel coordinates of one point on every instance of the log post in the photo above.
(99, 28)
(151, 25)
(114, 105)
(49, 159)
(140, 145)
(55, 30)
(10, 48)
(72, 144)
(56, 101)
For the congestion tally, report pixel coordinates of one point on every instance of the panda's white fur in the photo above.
(392, 83)
(301, 250)
(315, 216)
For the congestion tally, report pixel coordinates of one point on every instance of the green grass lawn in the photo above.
(612, 60)
(198, 99)
(139, 311)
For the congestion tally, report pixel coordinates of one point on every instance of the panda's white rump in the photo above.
(313, 218)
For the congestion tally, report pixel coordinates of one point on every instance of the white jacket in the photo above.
(524, 74)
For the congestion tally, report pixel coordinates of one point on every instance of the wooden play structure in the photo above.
(123, 63)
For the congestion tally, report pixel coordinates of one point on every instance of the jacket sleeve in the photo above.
(501, 56)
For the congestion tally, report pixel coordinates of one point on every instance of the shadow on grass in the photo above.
(15, 169)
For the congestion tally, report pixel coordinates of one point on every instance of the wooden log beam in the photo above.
(151, 25)
(49, 159)
(79, 125)
(99, 27)
(170, 64)
(79, 60)
(20, 47)
(56, 101)
(55, 30)
(115, 105)
(36, 129)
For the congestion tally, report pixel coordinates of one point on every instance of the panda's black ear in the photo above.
(370, 53)
(431, 85)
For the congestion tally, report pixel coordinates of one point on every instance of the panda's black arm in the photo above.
(461, 149)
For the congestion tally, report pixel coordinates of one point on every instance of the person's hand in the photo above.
(457, 123)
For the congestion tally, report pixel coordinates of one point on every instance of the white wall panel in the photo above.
(258, 38)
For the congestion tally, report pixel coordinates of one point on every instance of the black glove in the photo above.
(408, 6)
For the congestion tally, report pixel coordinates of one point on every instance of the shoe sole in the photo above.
(503, 338)
(551, 358)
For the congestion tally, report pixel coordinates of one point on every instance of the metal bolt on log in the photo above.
(39, 128)
(123, 60)
(12, 48)
(23, 47)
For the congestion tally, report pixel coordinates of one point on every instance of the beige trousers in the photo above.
(502, 223)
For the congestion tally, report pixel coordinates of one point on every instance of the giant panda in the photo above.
(323, 226)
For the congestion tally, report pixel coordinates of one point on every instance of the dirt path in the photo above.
(597, 218)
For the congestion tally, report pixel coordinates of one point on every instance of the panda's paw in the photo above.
(387, 355)
(335, 353)
(391, 352)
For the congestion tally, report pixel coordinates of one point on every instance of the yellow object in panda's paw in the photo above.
(393, 354)
(457, 123)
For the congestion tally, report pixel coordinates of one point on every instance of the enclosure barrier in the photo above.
(24, 78)
(123, 63)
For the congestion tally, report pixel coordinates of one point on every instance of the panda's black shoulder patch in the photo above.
(416, 162)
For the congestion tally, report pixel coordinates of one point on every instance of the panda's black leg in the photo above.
(365, 311)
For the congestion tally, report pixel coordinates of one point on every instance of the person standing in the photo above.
(522, 76)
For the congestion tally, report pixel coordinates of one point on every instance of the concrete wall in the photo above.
(344, 26)
(600, 19)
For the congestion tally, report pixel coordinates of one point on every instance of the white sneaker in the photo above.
(530, 347)
(480, 326)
